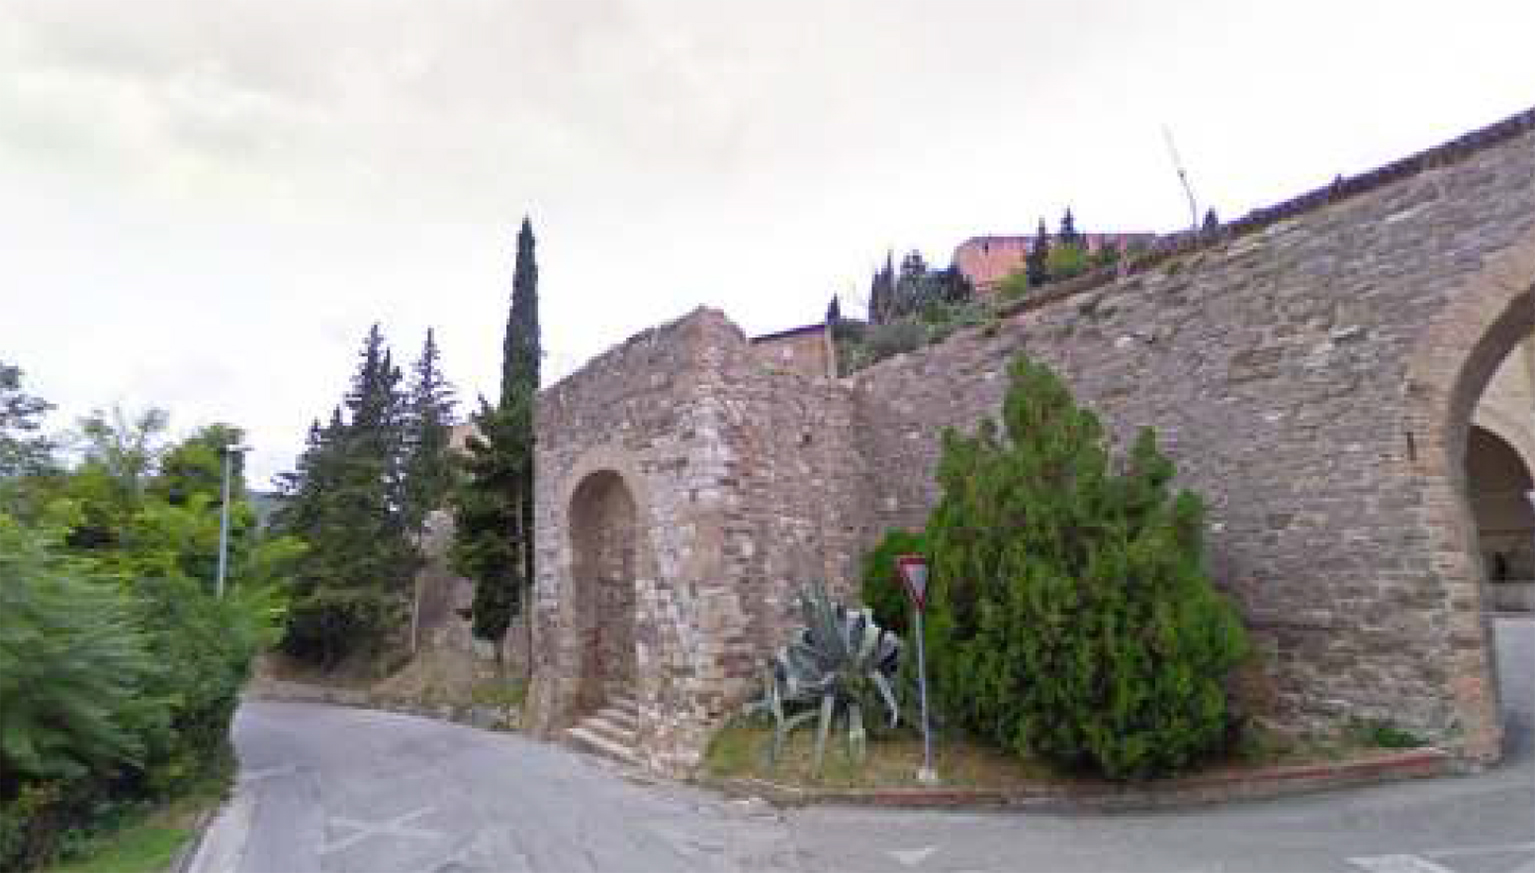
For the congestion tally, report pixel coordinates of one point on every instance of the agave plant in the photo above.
(833, 665)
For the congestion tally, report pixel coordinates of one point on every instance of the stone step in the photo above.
(624, 718)
(626, 703)
(593, 742)
(609, 730)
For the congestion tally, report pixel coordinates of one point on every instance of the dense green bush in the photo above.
(73, 666)
(117, 684)
(880, 588)
(1072, 618)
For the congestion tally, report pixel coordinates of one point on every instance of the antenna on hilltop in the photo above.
(1183, 178)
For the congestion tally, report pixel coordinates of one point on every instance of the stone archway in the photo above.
(1484, 320)
(604, 544)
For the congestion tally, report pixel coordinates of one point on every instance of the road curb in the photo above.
(1188, 791)
(481, 717)
(188, 853)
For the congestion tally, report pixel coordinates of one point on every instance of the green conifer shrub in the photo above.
(1072, 618)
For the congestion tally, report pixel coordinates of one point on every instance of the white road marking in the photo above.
(395, 827)
(1398, 864)
(1470, 851)
(912, 857)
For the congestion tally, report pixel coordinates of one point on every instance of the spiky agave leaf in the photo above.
(826, 666)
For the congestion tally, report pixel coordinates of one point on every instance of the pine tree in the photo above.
(346, 499)
(1072, 617)
(833, 313)
(1212, 221)
(1035, 264)
(493, 539)
(429, 417)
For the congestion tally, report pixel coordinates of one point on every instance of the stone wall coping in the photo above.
(1103, 797)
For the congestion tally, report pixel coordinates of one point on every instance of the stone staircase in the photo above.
(609, 731)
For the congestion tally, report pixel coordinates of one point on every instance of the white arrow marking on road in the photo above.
(395, 827)
(1398, 864)
(912, 857)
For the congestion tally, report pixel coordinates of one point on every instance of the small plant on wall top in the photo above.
(834, 667)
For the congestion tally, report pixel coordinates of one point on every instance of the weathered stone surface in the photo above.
(730, 476)
(1312, 369)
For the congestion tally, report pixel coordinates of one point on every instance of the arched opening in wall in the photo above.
(1499, 488)
(1478, 367)
(605, 562)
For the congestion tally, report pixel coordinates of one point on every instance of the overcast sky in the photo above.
(205, 203)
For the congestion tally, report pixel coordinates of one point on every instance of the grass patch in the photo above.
(499, 691)
(740, 749)
(149, 846)
(148, 841)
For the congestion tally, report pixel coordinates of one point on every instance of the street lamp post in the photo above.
(228, 453)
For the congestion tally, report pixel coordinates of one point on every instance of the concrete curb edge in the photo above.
(1270, 782)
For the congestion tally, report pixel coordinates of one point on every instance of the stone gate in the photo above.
(1313, 369)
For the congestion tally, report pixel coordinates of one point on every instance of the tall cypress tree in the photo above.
(1069, 236)
(882, 292)
(493, 534)
(1035, 264)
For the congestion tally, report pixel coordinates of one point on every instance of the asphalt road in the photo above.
(331, 789)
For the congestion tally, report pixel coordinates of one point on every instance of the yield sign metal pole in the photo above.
(926, 775)
(913, 573)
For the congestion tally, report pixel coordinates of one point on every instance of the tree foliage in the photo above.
(119, 669)
(23, 447)
(1072, 616)
(493, 507)
(428, 418)
(347, 498)
(880, 588)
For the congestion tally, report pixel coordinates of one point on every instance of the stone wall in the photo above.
(737, 475)
(1277, 367)
(1312, 368)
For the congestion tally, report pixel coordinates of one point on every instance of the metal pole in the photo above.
(926, 775)
(224, 527)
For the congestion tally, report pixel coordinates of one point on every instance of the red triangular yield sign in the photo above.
(913, 572)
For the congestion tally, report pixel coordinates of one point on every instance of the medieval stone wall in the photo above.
(735, 473)
(647, 412)
(1312, 369)
(1276, 369)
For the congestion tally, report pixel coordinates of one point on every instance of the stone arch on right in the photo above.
(1474, 480)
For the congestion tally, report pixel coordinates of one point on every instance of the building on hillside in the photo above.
(986, 260)
(808, 351)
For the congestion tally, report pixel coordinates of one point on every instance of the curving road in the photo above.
(330, 789)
